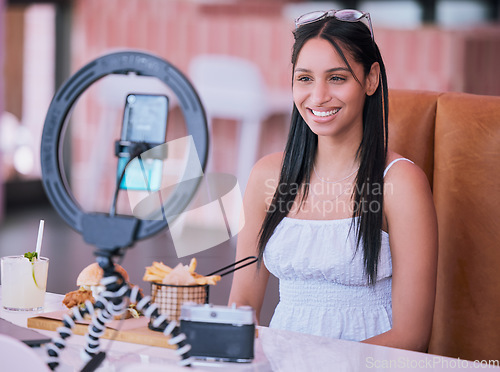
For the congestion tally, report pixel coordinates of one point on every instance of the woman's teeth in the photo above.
(325, 113)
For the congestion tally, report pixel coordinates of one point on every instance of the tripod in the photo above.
(113, 301)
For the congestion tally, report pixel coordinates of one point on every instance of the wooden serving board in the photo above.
(132, 330)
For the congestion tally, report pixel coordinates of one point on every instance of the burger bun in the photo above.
(93, 273)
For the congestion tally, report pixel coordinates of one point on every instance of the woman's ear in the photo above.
(372, 79)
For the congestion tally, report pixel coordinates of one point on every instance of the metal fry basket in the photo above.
(169, 298)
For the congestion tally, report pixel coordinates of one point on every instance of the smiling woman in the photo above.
(353, 244)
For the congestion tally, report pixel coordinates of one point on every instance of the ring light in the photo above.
(118, 231)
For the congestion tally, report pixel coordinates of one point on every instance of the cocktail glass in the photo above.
(24, 283)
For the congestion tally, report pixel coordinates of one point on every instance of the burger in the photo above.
(89, 282)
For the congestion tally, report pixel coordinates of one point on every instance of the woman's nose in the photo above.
(320, 93)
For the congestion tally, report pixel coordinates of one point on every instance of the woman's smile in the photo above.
(321, 113)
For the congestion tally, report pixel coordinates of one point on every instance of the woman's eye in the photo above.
(303, 78)
(337, 79)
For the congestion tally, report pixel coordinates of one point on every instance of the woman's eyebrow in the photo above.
(335, 69)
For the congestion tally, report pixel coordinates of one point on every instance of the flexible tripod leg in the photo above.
(114, 301)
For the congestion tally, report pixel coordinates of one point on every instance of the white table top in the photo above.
(275, 350)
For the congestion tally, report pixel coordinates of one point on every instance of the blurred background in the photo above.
(237, 55)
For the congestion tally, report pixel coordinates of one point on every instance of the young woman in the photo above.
(347, 225)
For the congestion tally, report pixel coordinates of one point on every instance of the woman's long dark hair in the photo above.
(300, 150)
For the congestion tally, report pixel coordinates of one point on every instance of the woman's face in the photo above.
(325, 92)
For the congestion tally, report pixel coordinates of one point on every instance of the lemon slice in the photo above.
(33, 271)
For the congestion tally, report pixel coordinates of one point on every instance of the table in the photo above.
(275, 350)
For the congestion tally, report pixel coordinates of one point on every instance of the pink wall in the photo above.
(178, 30)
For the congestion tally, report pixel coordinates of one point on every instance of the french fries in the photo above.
(180, 275)
(192, 265)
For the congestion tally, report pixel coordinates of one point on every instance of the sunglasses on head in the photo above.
(346, 15)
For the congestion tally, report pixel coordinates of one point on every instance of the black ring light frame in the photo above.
(112, 233)
(106, 232)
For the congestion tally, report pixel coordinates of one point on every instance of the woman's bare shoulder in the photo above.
(268, 167)
(271, 162)
(264, 178)
(404, 184)
(401, 169)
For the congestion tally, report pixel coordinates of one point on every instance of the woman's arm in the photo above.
(249, 284)
(412, 226)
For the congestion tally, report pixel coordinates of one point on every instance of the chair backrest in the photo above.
(412, 122)
(467, 197)
(454, 138)
(229, 87)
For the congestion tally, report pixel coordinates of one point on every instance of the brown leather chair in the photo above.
(412, 120)
(455, 139)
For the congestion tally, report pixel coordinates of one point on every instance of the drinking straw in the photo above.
(39, 239)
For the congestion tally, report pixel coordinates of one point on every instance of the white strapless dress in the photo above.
(323, 288)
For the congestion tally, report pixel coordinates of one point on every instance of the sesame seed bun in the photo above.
(92, 274)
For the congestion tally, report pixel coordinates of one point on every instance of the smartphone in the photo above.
(144, 120)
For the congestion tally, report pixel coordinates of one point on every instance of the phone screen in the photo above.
(144, 120)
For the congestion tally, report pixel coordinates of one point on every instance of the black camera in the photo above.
(219, 333)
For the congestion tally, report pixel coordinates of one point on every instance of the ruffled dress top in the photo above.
(323, 286)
